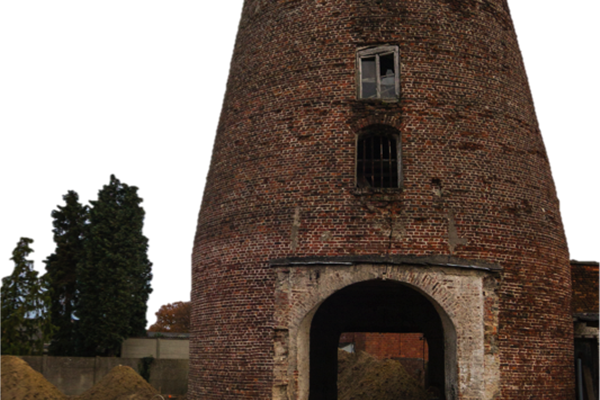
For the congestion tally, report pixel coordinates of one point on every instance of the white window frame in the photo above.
(378, 51)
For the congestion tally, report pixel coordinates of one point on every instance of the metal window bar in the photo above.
(390, 164)
(381, 168)
(372, 143)
(363, 161)
(377, 75)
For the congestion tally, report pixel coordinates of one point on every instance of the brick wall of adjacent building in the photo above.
(585, 317)
(388, 345)
(477, 183)
(585, 287)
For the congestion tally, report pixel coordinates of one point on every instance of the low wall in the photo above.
(177, 349)
(75, 375)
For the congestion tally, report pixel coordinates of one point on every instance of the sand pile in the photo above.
(364, 377)
(21, 382)
(121, 383)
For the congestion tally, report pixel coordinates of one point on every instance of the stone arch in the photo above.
(456, 295)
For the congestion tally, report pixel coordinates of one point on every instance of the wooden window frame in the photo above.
(378, 51)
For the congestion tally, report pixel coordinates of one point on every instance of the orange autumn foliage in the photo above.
(173, 317)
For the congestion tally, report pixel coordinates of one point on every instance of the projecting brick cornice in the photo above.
(425, 261)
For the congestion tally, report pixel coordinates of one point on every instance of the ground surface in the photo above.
(360, 377)
(21, 382)
(121, 383)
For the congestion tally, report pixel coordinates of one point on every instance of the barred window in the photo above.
(378, 158)
(378, 73)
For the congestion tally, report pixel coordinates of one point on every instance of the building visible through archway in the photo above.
(372, 306)
(410, 350)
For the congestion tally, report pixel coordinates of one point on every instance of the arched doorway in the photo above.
(315, 303)
(373, 306)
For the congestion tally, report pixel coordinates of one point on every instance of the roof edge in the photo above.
(592, 263)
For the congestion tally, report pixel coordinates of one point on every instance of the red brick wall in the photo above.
(585, 287)
(388, 345)
(477, 181)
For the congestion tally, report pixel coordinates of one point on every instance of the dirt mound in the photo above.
(121, 383)
(364, 377)
(21, 382)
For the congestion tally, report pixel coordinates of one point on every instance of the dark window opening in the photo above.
(377, 161)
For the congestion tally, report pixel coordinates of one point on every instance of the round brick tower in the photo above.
(378, 167)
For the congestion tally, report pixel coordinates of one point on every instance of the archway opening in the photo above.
(385, 310)
(409, 349)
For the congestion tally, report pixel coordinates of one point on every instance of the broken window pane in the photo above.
(387, 76)
(379, 72)
(369, 78)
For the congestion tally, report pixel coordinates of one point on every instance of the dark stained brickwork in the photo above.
(476, 180)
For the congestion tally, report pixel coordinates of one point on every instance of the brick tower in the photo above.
(378, 167)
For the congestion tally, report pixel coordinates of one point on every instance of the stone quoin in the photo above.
(378, 167)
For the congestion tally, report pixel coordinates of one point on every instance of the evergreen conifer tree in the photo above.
(114, 278)
(26, 323)
(69, 235)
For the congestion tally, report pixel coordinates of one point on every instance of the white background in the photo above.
(134, 88)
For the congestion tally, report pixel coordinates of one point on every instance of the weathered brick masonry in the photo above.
(585, 287)
(475, 230)
(388, 345)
